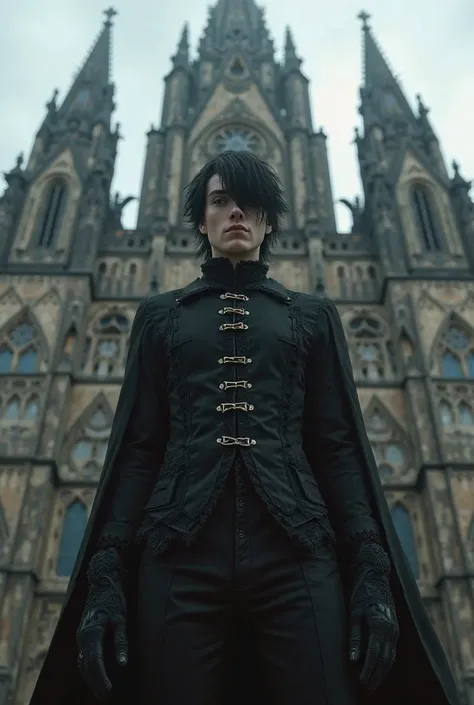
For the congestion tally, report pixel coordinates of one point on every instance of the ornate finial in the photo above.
(110, 14)
(52, 103)
(422, 109)
(456, 167)
(19, 160)
(364, 17)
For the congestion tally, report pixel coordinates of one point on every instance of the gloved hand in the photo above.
(105, 610)
(372, 615)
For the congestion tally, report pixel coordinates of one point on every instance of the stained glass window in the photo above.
(425, 219)
(457, 353)
(238, 140)
(53, 210)
(74, 526)
(19, 349)
(404, 527)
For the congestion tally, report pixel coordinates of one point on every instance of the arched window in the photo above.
(372, 360)
(89, 450)
(457, 353)
(106, 348)
(74, 526)
(390, 451)
(404, 528)
(426, 219)
(456, 416)
(19, 349)
(53, 212)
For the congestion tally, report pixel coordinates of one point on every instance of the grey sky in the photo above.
(429, 47)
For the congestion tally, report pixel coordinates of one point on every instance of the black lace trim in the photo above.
(158, 536)
(103, 564)
(311, 535)
(220, 270)
(373, 559)
(105, 576)
(110, 541)
(293, 368)
(365, 536)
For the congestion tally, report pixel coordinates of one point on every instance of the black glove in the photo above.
(105, 609)
(372, 615)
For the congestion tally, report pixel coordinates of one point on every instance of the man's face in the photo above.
(232, 233)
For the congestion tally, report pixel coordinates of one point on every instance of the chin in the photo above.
(237, 247)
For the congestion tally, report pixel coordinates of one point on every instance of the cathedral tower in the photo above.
(71, 277)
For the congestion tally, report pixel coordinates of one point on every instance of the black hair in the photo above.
(250, 182)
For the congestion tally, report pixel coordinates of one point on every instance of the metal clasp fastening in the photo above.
(233, 326)
(235, 297)
(235, 406)
(237, 311)
(241, 383)
(236, 360)
(231, 441)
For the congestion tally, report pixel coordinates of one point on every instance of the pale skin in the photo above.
(248, 231)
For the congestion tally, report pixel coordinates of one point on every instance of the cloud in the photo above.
(429, 47)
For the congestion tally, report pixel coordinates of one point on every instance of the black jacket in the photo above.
(236, 365)
(311, 458)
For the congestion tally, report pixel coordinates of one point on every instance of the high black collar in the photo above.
(221, 271)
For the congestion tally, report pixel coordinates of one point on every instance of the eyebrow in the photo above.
(217, 192)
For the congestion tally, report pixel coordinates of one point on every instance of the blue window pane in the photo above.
(27, 361)
(82, 450)
(465, 415)
(470, 364)
(6, 360)
(394, 454)
(451, 366)
(32, 409)
(98, 419)
(456, 338)
(13, 409)
(404, 529)
(22, 334)
(73, 531)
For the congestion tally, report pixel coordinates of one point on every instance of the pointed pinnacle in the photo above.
(364, 17)
(422, 109)
(184, 40)
(110, 13)
(289, 43)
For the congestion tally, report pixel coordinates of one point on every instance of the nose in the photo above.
(236, 212)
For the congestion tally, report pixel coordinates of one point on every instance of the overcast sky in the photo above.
(429, 46)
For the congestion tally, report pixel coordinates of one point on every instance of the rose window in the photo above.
(237, 140)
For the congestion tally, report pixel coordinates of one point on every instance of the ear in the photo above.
(268, 230)
(203, 228)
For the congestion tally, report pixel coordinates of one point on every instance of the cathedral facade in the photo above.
(71, 277)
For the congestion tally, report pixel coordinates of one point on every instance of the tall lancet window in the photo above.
(52, 215)
(426, 219)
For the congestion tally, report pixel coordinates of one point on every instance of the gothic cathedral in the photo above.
(72, 277)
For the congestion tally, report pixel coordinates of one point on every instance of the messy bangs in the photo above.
(250, 182)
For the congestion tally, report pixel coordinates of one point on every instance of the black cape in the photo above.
(420, 675)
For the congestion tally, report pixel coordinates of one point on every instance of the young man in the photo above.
(239, 511)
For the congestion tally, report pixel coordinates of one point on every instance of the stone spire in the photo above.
(236, 23)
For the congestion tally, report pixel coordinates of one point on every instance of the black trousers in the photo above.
(243, 568)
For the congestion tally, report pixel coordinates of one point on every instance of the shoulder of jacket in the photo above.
(315, 303)
(158, 305)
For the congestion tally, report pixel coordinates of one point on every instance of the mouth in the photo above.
(237, 229)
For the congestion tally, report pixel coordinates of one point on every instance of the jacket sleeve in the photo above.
(330, 437)
(141, 451)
